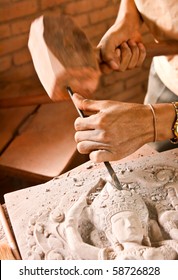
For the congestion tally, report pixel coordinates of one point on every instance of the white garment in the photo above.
(161, 17)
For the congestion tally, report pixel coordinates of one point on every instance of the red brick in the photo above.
(95, 30)
(22, 57)
(138, 79)
(13, 44)
(110, 92)
(82, 20)
(111, 21)
(18, 74)
(4, 1)
(17, 10)
(129, 73)
(45, 4)
(21, 26)
(4, 31)
(5, 63)
(136, 94)
(147, 63)
(98, 4)
(78, 7)
(103, 14)
(111, 78)
(83, 6)
(95, 40)
(139, 98)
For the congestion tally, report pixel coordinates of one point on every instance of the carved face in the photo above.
(127, 227)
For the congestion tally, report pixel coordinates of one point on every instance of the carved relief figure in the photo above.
(138, 222)
(124, 218)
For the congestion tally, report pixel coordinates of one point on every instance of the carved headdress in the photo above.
(111, 201)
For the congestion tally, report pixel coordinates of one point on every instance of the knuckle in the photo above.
(85, 101)
(142, 51)
(101, 120)
(103, 136)
(134, 47)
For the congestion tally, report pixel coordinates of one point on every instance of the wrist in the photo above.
(163, 120)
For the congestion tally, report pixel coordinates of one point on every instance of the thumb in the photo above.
(104, 67)
(110, 55)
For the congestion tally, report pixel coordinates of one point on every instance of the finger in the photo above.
(135, 54)
(101, 156)
(86, 104)
(86, 147)
(114, 64)
(88, 123)
(111, 58)
(109, 64)
(90, 135)
(125, 56)
(142, 54)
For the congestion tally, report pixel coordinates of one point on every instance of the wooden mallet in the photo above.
(62, 55)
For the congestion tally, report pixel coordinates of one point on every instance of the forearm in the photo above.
(121, 46)
(128, 12)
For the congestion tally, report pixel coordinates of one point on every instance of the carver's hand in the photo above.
(121, 46)
(113, 130)
(120, 50)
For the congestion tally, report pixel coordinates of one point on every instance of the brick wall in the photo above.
(94, 16)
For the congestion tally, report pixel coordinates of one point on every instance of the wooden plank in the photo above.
(10, 120)
(46, 144)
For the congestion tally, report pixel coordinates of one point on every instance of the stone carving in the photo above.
(138, 222)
